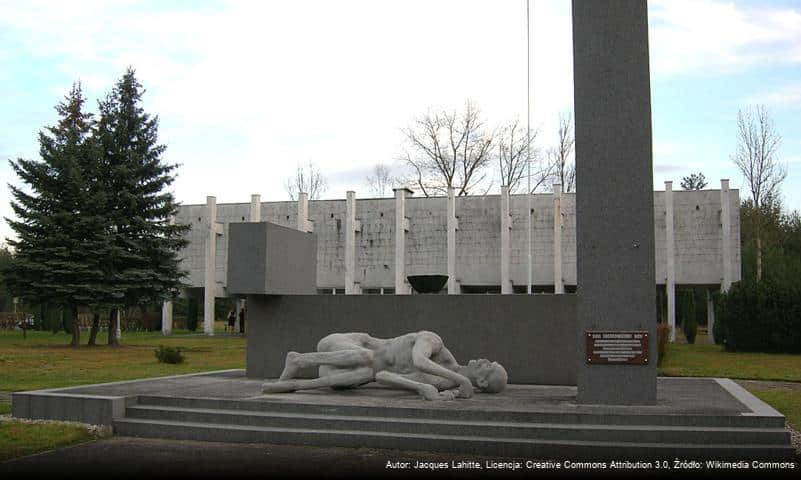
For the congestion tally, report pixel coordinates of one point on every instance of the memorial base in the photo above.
(694, 418)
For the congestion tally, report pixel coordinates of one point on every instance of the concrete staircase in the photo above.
(529, 435)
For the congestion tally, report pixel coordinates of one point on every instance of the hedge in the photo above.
(762, 317)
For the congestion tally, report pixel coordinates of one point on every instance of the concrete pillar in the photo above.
(401, 227)
(725, 222)
(351, 227)
(558, 279)
(255, 208)
(166, 307)
(166, 317)
(506, 242)
(670, 261)
(209, 284)
(453, 225)
(614, 225)
(118, 332)
(239, 304)
(710, 317)
(303, 212)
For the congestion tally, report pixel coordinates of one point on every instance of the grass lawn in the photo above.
(784, 400)
(45, 360)
(23, 438)
(5, 407)
(704, 360)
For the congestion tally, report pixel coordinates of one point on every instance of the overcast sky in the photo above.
(246, 91)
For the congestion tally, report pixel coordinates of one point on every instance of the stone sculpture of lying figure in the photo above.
(415, 361)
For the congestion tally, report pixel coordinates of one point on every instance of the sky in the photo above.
(246, 91)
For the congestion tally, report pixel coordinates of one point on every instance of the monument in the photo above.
(581, 367)
(416, 361)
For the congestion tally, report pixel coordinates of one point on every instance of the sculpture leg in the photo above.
(354, 358)
(351, 378)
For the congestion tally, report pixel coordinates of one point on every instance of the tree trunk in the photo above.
(76, 329)
(94, 330)
(112, 328)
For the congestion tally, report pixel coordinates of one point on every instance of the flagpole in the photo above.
(528, 144)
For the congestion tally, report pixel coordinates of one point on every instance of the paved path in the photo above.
(767, 385)
(127, 457)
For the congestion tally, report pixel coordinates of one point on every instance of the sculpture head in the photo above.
(487, 376)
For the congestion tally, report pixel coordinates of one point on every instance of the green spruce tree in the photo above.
(59, 231)
(143, 263)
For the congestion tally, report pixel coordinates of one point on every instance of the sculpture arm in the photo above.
(421, 356)
(428, 392)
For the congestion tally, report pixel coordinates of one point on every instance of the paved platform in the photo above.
(715, 417)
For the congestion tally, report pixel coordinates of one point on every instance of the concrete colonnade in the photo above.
(670, 258)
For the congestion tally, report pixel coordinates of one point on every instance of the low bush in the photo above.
(761, 317)
(169, 354)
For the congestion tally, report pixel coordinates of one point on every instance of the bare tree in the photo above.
(379, 182)
(561, 156)
(448, 149)
(757, 158)
(308, 180)
(513, 155)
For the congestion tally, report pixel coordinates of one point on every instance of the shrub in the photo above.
(169, 354)
(662, 341)
(763, 317)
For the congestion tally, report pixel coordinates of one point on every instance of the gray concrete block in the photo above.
(264, 258)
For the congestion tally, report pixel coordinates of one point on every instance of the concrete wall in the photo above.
(697, 222)
(534, 337)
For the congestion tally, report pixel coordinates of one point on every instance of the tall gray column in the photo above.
(401, 227)
(255, 208)
(670, 261)
(209, 283)
(351, 227)
(452, 225)
(506, 242)
(614, 226)
(558, 278)
(725, 223)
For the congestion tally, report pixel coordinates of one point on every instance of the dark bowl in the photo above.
(427, 283)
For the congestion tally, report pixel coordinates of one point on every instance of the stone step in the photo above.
(494, 429)
(583, 416)
(464, 444)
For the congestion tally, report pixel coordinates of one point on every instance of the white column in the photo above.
(166, 317)
(725, 222)
(506, 242)
(710, 318)
(401, 227)
(239, 304)
(209, 284)
(670, 260)
(558, 280)
(118, 332)
(303, 212)
(255, 208)
(351, 227)
(453, 225)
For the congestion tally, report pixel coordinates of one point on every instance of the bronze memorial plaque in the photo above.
(617, 348)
